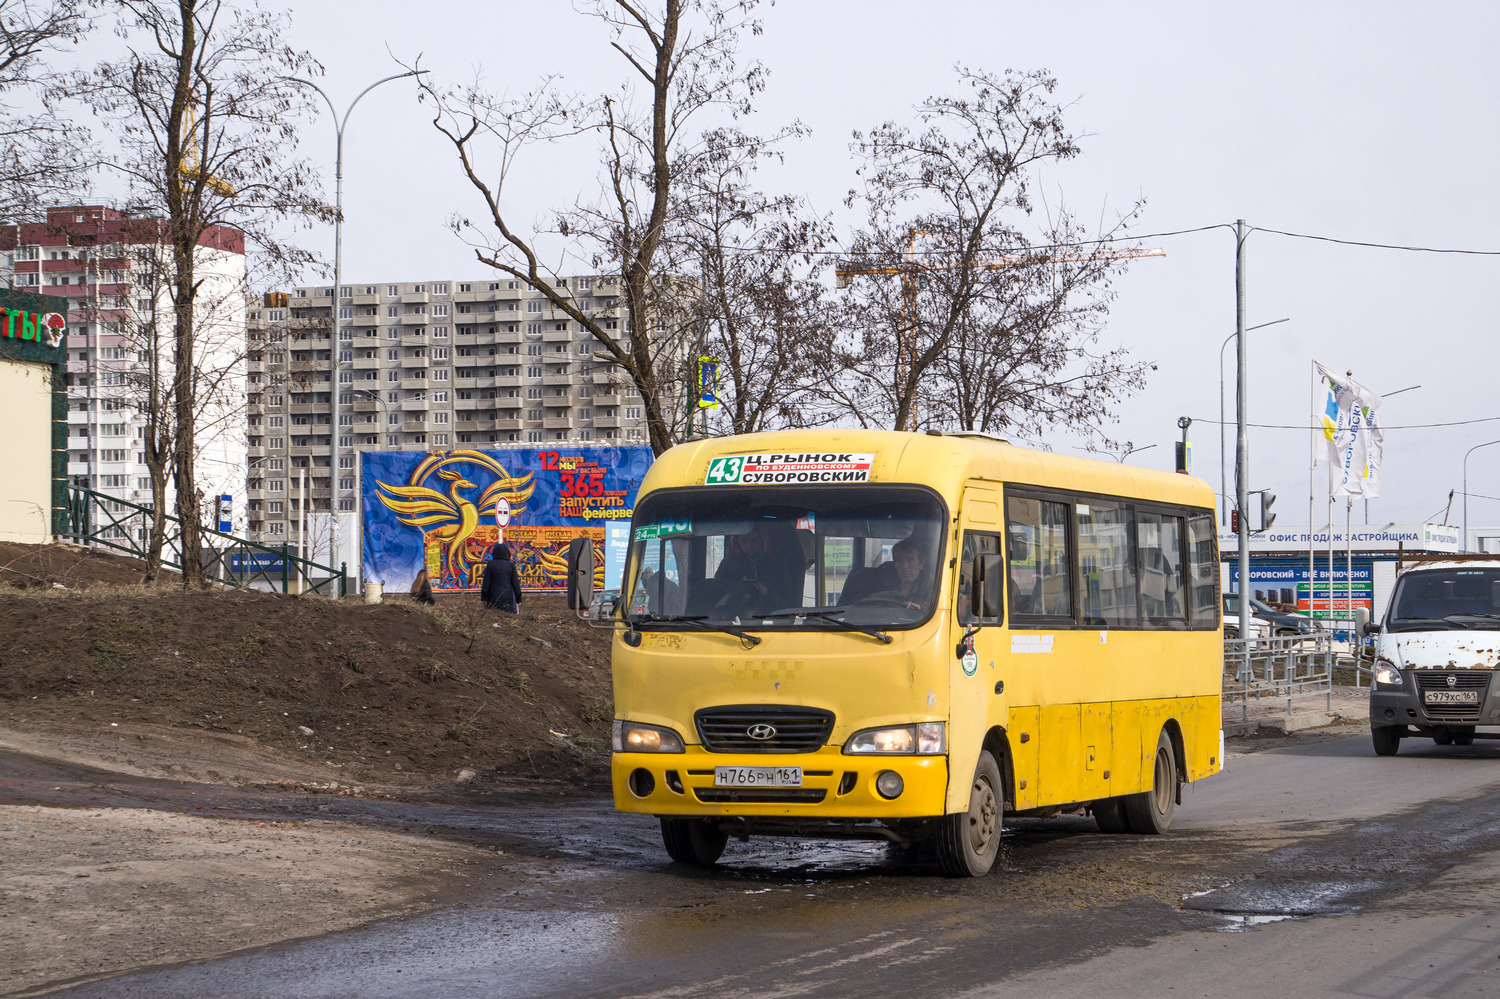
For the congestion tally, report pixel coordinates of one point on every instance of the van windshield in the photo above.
(1446, 598)
(797, 556)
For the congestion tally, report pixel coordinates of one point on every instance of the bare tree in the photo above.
(205, 115)
(957, 316)
(763, 301)
(41, 150)
(680, 63)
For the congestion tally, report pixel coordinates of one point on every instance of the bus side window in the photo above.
(975, 543)
(1107, 563)
(1203, 571)
(1041, 564)
(1159, 540)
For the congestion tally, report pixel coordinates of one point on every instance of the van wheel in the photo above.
(1387, 739)
(968, 842)
(1151, 812)
(1444, 738)
(1462, 736)
(1109, 816)
(694, 842)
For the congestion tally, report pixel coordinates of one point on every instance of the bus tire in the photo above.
(1109, 817)
(968, 842)
(1151, 812)
(1387, 739)
(695, 842)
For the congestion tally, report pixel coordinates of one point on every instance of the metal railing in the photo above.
(104, 521)
(1289, 669)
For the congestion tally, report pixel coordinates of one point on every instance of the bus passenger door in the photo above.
(977, 701)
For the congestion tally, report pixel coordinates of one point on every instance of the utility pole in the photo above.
(1242, 448)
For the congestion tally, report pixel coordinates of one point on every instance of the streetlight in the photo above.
(1471, 450)
(338, 277)
(1223, 475)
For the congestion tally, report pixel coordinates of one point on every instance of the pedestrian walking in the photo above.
(501, 588)
(421, 589)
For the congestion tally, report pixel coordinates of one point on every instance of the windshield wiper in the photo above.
(1477, 616)
(828, 615)
(700, 622)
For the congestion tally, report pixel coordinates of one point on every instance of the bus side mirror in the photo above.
(580, 573)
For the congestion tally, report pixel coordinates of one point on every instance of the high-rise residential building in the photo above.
(114, 269)
(426, 365)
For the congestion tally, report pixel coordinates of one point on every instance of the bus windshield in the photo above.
(1446, 598)
(794, 556)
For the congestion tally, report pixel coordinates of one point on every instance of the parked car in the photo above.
(1233, 625)
(1283, 623)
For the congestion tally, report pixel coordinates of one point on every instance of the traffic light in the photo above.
(1267, 518)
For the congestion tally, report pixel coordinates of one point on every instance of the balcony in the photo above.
(556, 379)
(509, 424)
(556, 336)
(416, 405)
(414, 319)
(366, 300)
(366, 363)
(413, 297)
(558, 422)
(609, 422)
(414, 383)
(412, 427)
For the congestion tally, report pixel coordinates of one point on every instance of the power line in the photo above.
(1298, 426)
(1377, 246)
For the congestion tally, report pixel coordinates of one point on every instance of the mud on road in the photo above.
(546, 890)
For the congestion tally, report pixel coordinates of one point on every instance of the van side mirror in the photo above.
(1362, 621)
(580, 573)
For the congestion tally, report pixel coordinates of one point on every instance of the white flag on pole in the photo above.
(1353, 435)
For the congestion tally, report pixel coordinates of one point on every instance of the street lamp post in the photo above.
(1471, 450)
(338, 277)
(1223, 473)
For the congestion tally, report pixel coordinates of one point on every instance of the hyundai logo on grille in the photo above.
(1452, 680)
(762, 732)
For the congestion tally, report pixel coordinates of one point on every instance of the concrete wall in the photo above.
(26, 481)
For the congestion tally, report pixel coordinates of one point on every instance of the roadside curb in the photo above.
(1281, 725)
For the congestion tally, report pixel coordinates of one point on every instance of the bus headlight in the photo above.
(633, 737)
(1387, 674)
(921, 739)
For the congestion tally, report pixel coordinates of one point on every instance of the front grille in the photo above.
(797, 730)
(771, 795)
(1467, 679)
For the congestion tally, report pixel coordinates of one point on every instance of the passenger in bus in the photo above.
(662, 596)
(769, 568)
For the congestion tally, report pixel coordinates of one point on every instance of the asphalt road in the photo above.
(1313, 869)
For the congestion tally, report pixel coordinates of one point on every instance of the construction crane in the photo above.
(191, 164)
(911, 268)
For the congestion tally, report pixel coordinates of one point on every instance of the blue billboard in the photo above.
(443, 510)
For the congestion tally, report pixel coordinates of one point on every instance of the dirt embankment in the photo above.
(395, 694)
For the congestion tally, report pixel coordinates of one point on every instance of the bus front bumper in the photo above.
(834, 786)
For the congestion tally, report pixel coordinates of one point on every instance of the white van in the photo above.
(1436, 656)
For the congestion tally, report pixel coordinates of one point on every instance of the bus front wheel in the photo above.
(1151, 812)
(694, 842)
(968, 842)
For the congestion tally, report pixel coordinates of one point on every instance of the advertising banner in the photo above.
(443, 510)
(1286, 587)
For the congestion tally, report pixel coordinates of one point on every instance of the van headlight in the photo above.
(921, 739)
(1387, 674)
(633, 737)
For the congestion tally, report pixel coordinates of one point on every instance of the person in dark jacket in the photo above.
(502, 586)
(421, 589)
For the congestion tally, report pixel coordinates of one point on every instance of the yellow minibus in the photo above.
(849, 633)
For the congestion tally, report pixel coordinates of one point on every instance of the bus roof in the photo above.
(943, 461)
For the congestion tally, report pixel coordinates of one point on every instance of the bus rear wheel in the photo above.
(695, 842)
(968, 842)
(1109, 816)
(1151, 812)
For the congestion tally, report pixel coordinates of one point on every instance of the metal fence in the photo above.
(1289, 669)
(105, 521)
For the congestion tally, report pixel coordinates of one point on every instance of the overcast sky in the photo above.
(1364, 121)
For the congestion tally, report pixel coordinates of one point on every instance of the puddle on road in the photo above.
(1276, 898)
